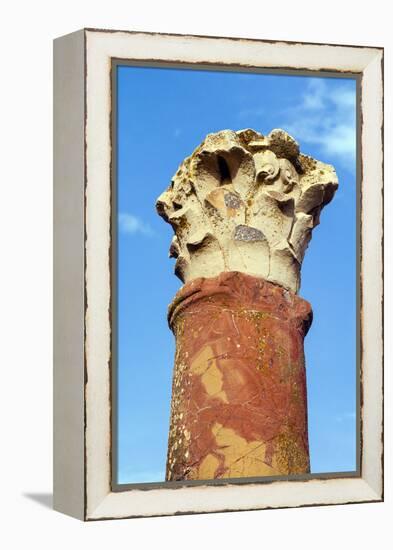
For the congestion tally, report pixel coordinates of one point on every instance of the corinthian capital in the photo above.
(246, 202)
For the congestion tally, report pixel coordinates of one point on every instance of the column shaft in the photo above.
(239, 404)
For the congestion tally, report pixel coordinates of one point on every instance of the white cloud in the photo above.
(314, 97)
(326, 117)
(344, 98)
(130, 224)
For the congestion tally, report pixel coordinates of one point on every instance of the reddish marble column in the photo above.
(239, 404)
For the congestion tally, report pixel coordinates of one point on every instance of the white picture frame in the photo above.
(82, 256)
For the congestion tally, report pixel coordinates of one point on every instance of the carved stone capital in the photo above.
(245, 202)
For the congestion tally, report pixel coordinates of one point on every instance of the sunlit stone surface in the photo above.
(239, 393)
(242, 207)
(245, 202)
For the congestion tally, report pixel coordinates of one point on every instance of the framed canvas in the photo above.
(238, 144)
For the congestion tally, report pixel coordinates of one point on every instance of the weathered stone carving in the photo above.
(246, 202)
(243, 207)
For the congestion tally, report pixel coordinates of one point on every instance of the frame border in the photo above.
(99, 501)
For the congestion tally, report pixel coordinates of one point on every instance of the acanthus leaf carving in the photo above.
(246, 202)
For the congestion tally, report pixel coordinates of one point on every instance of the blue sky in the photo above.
(163, 114)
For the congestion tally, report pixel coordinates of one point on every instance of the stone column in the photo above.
(242, 207)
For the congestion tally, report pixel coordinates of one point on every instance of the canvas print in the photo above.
(235, 275)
